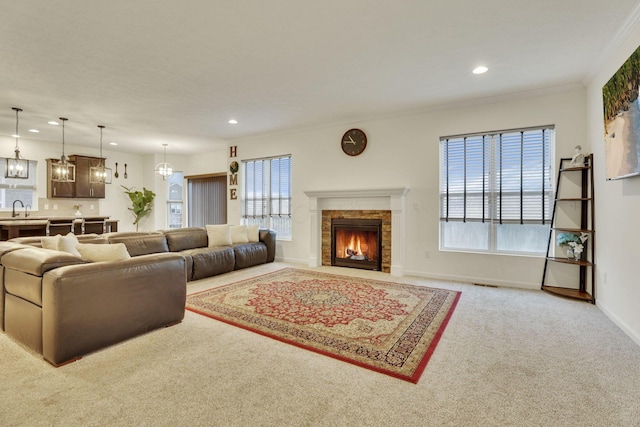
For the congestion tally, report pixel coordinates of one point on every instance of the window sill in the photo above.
(516, 254)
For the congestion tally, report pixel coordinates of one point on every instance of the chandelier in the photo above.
(99, 174)
(17, 167)
(164, 169)
(63, 170)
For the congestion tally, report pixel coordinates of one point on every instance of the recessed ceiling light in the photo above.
(113, 143)
(480, 70)
(34, 130)
(233, 122)
(53, 123)
(15, 135)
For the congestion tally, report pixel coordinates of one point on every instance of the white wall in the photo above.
(197, 164)
(402, 151)
(617, 205)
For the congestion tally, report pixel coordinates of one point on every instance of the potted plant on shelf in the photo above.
(573, 243)
(141, 203)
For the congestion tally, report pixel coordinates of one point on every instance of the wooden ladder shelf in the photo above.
(586, 284)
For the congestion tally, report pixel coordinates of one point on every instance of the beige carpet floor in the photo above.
(507, 358)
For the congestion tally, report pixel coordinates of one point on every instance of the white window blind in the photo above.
(267, 194)
(497, 178)
(207, 200)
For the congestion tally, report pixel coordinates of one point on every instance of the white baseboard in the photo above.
(477, 280)
(304, 261)
(619, 322)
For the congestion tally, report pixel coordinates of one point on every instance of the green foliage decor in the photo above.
(622, 88)
(141, 203)
(564, 239)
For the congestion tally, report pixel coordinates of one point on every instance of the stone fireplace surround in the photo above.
(383, 199)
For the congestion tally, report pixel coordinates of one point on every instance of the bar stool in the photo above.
(94, 225)
(59, 226)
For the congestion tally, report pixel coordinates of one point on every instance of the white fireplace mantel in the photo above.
(392, 199)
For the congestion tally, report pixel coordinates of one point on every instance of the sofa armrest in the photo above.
(37, 261)
(268, 237)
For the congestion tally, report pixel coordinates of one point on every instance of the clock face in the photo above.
(354, 141)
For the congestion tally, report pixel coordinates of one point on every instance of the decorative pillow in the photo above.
(61, 243)
(238, 234)
(68, 244)
(110, 252)
(252, 233)
(219, 235)
(50, 242)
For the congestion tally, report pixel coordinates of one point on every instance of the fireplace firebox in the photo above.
(356, 243)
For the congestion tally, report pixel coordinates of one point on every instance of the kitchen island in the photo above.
(44, 226)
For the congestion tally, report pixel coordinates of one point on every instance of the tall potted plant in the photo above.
(141, 203)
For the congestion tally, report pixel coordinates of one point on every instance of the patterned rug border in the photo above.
(412, 378)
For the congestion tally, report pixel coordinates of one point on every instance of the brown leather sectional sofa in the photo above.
(63, 307)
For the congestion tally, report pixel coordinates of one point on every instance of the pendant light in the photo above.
(99, 174)
(63, 170)
(17, 167)
(164, 169)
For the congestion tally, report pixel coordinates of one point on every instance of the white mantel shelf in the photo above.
(378, 192)
(393, 199)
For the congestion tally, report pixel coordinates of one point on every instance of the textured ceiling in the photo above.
(174, 72)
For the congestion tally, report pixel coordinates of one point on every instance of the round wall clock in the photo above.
(354, 141)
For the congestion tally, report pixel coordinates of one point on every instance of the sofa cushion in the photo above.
(97, 253)
(219, 235)
(249, 254)
(66, 243)
(180, 239)
(253, 234)
(143, 244)
(209, 262)
(238, 234)
(50, 242)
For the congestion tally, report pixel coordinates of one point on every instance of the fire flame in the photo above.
(356, 246)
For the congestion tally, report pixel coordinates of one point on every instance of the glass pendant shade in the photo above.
(100, 174)
(17, 167)
(63, 170)
(164, 169)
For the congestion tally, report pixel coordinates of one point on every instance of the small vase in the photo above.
(577, 256)
(570, 255)
(78, 213)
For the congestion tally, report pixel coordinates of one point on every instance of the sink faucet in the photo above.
(26, 210)
(13, 213)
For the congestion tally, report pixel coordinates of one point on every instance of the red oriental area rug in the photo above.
(388, 327)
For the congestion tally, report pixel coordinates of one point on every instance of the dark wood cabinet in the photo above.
(58, 189)
(84, 188)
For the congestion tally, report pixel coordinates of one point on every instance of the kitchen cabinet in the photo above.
(84, 188)
(58, 189)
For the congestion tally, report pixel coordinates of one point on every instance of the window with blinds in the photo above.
(267, 194)
(496, 190)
